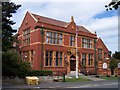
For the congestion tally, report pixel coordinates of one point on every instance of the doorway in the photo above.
(72, 63)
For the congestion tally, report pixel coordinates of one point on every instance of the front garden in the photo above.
(110, 77)
(80, 79)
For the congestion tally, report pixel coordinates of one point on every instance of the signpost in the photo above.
(104, 65)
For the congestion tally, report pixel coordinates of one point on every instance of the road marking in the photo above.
(110, 83)
(96, 85)
(36, 87)
(79, 86)
(56, 87)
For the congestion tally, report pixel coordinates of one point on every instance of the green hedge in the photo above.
(40, 73)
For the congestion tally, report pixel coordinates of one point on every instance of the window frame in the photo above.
(26, 37)
(100, 55)
(87, 43)
(54, 38)
(84, 59)
(72, 40)
(58, 59)
(90, 59)
(48, 58)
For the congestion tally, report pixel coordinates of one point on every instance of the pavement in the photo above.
(95, 83)
(62, 85)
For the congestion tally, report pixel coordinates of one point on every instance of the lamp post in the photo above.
(76, 54)
(42, 48)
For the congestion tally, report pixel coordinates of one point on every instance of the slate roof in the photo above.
(57, 22)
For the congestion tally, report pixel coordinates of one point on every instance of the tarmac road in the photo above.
(94, 85)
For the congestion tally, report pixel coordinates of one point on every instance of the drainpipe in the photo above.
(95, 60)
(42, 48)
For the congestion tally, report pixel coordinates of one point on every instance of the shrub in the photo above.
(40, 73)
(107, 75)
(24, 68)
(97, 76)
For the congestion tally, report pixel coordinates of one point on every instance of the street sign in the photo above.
(104, 65)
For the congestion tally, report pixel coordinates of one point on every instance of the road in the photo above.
(61, 85)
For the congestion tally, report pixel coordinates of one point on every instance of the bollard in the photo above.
(63, 77)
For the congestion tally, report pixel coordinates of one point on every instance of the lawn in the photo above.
(110, 78)
(76, 80)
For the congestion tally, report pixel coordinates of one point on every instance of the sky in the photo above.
(88, 13)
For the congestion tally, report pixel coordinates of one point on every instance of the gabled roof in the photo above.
(83, 29)
(51, 21)
(99, 39)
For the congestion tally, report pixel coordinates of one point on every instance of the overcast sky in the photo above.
(88, 13)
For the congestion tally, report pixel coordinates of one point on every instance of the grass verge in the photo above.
(76, 80)
(110, 78)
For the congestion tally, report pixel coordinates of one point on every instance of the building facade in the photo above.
(50, 44)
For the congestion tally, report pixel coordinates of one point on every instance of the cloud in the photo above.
(103, 23)
(84, 12)
(81, 11)
(107, 29)
(61, 1)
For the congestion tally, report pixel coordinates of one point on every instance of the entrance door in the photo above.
(72, 63)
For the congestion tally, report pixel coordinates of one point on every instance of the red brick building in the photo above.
(50, 44)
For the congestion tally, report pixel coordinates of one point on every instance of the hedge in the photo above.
(40, 73)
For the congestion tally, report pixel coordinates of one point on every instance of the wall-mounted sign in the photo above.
(118, 65)
(104, 65)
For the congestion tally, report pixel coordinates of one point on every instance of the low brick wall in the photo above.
(49, 78)
(46, 78)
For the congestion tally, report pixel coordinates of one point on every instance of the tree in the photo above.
(113, 65)
(11, 65)
(24, 69)
(116, 55)
(113, 5)
(8, 8)
(9, 57)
